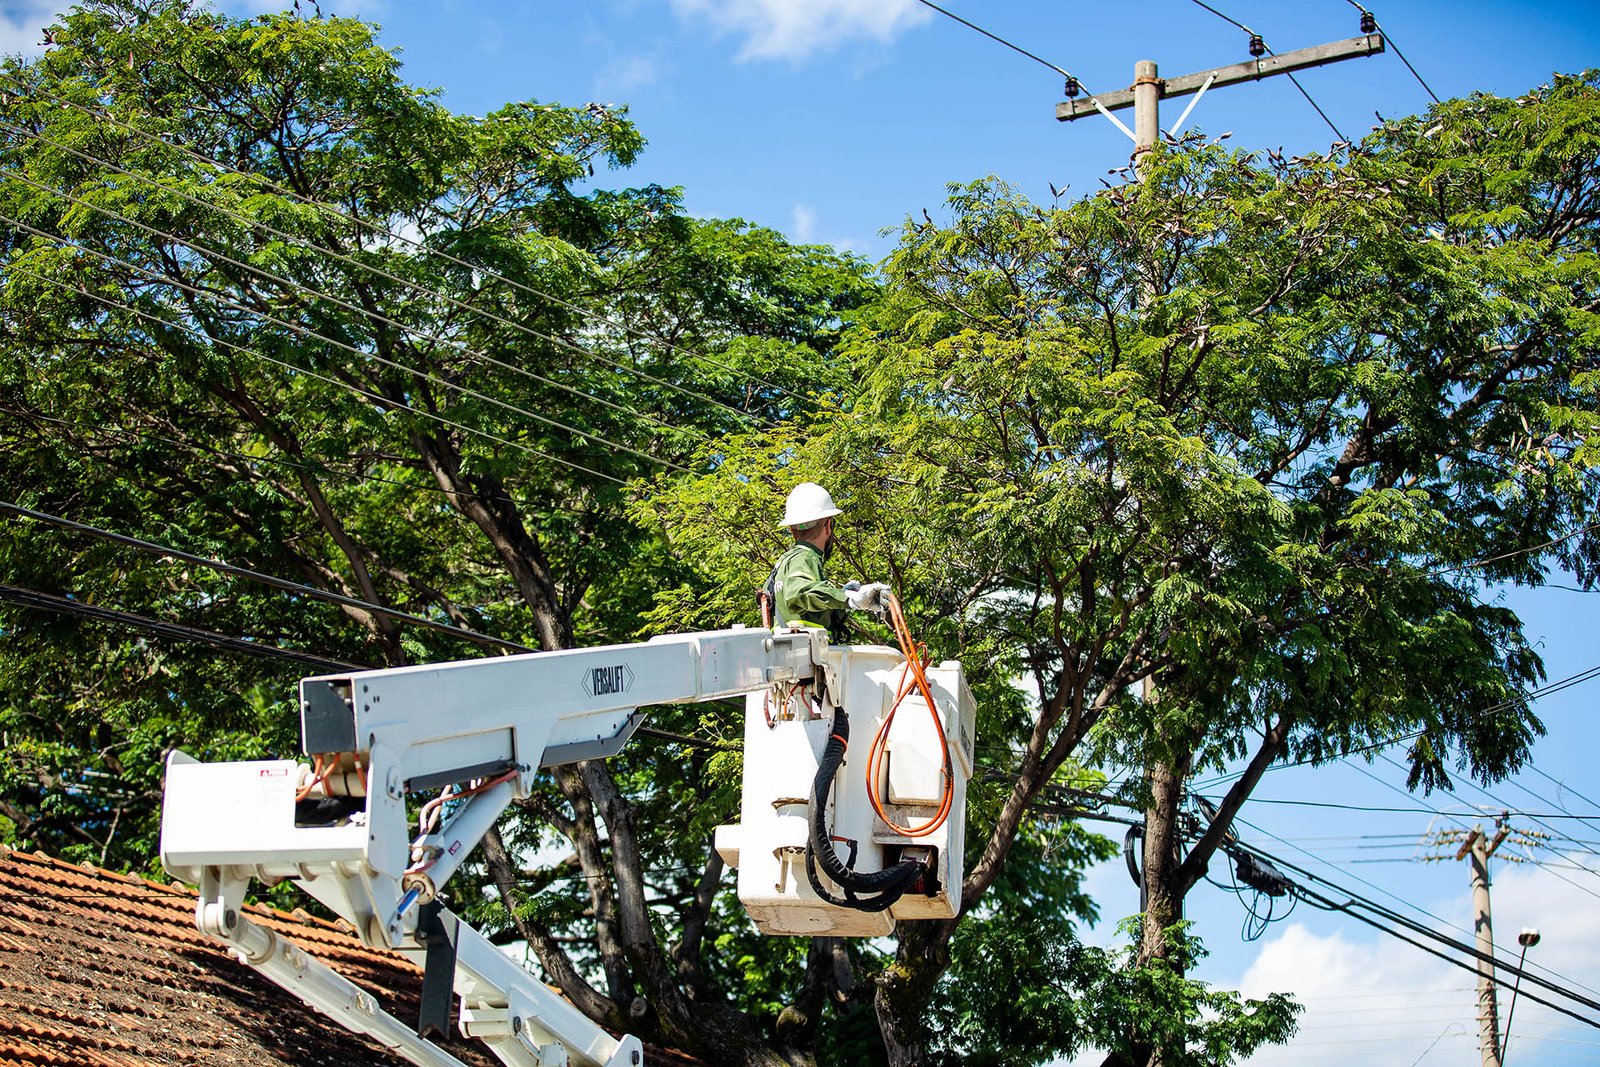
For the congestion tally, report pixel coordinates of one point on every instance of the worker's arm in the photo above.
(804, 593)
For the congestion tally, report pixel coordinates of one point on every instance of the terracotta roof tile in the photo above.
(107, 970)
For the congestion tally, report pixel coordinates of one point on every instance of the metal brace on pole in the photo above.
(1178, 127)
(1118, 123)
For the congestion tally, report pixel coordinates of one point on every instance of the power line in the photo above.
(1531, 816)
(1396, 917)
(48, 602)
(1001, 40)
(297, 588)
(1255, 38)
(339, 257)
(1557, 874)
(390, 235)
(1508, 555)
(245, 458)
(1389, 40)
(376, 398)
(33, 598)
(307, 331)
(1319, 900)
(1424, 810)
(1562, 785)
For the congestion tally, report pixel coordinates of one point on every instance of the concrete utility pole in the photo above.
(1475, 845)
(1480, 848)
(1148, 90)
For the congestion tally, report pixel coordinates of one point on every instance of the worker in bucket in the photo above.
(798, 590)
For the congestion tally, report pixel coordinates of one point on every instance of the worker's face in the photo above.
(827, 537)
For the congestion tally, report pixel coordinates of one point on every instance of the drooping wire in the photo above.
(1255, 921)
(1389, 40)
(1562, 785)
(308, 332)
(365, 313)
(1001, 40)
(34, 598)
(251, 460)
(389, 234)
(1289, 74)
(375, 398)
(370, 268)
(1393, 916)
(298, 588)
(1375, 887)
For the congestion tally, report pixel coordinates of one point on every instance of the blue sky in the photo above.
(834, 120)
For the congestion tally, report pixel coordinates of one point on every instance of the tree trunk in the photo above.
(1163, 893)
(906, 986)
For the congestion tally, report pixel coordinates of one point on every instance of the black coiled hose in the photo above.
(885, 886)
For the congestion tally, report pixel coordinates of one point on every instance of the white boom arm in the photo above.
(376, 736)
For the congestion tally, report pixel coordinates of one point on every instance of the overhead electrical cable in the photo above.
(1562, 785)
(1388, 39)
(1423, 809)
(1379, 889)
(308, 332)
(298, 588)
(1473, 564)
(1411, 924)
(368, 314)
(1504, 811)
(388, 234)
(1001, 40)
(1255, 39)
(33, 598)
(1480, 814)
(1320, 900)
(301, 242)
(364, 313)
(250, 460)
(376, 399)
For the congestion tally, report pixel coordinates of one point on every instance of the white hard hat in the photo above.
(808, 502)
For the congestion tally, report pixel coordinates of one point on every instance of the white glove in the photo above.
(873, 597)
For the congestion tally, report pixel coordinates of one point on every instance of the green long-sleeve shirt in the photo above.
(801, 594)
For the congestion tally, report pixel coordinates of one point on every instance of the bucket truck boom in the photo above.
(481, 730)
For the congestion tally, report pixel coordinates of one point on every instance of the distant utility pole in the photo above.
(1148, 90)
(1478, 847)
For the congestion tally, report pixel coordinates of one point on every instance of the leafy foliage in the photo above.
(1060, 997)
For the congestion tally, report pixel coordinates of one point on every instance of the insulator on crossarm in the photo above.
(1369, 22)
(1072, 87)
(1258, 47)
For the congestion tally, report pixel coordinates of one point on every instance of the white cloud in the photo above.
(623, 75)
(795, 29)
(1377, 1001)
(803, 228)
(22, 24)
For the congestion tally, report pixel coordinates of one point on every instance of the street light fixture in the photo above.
(1527, 939)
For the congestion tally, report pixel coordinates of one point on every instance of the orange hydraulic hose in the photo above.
(876, 754)
(318, 775)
